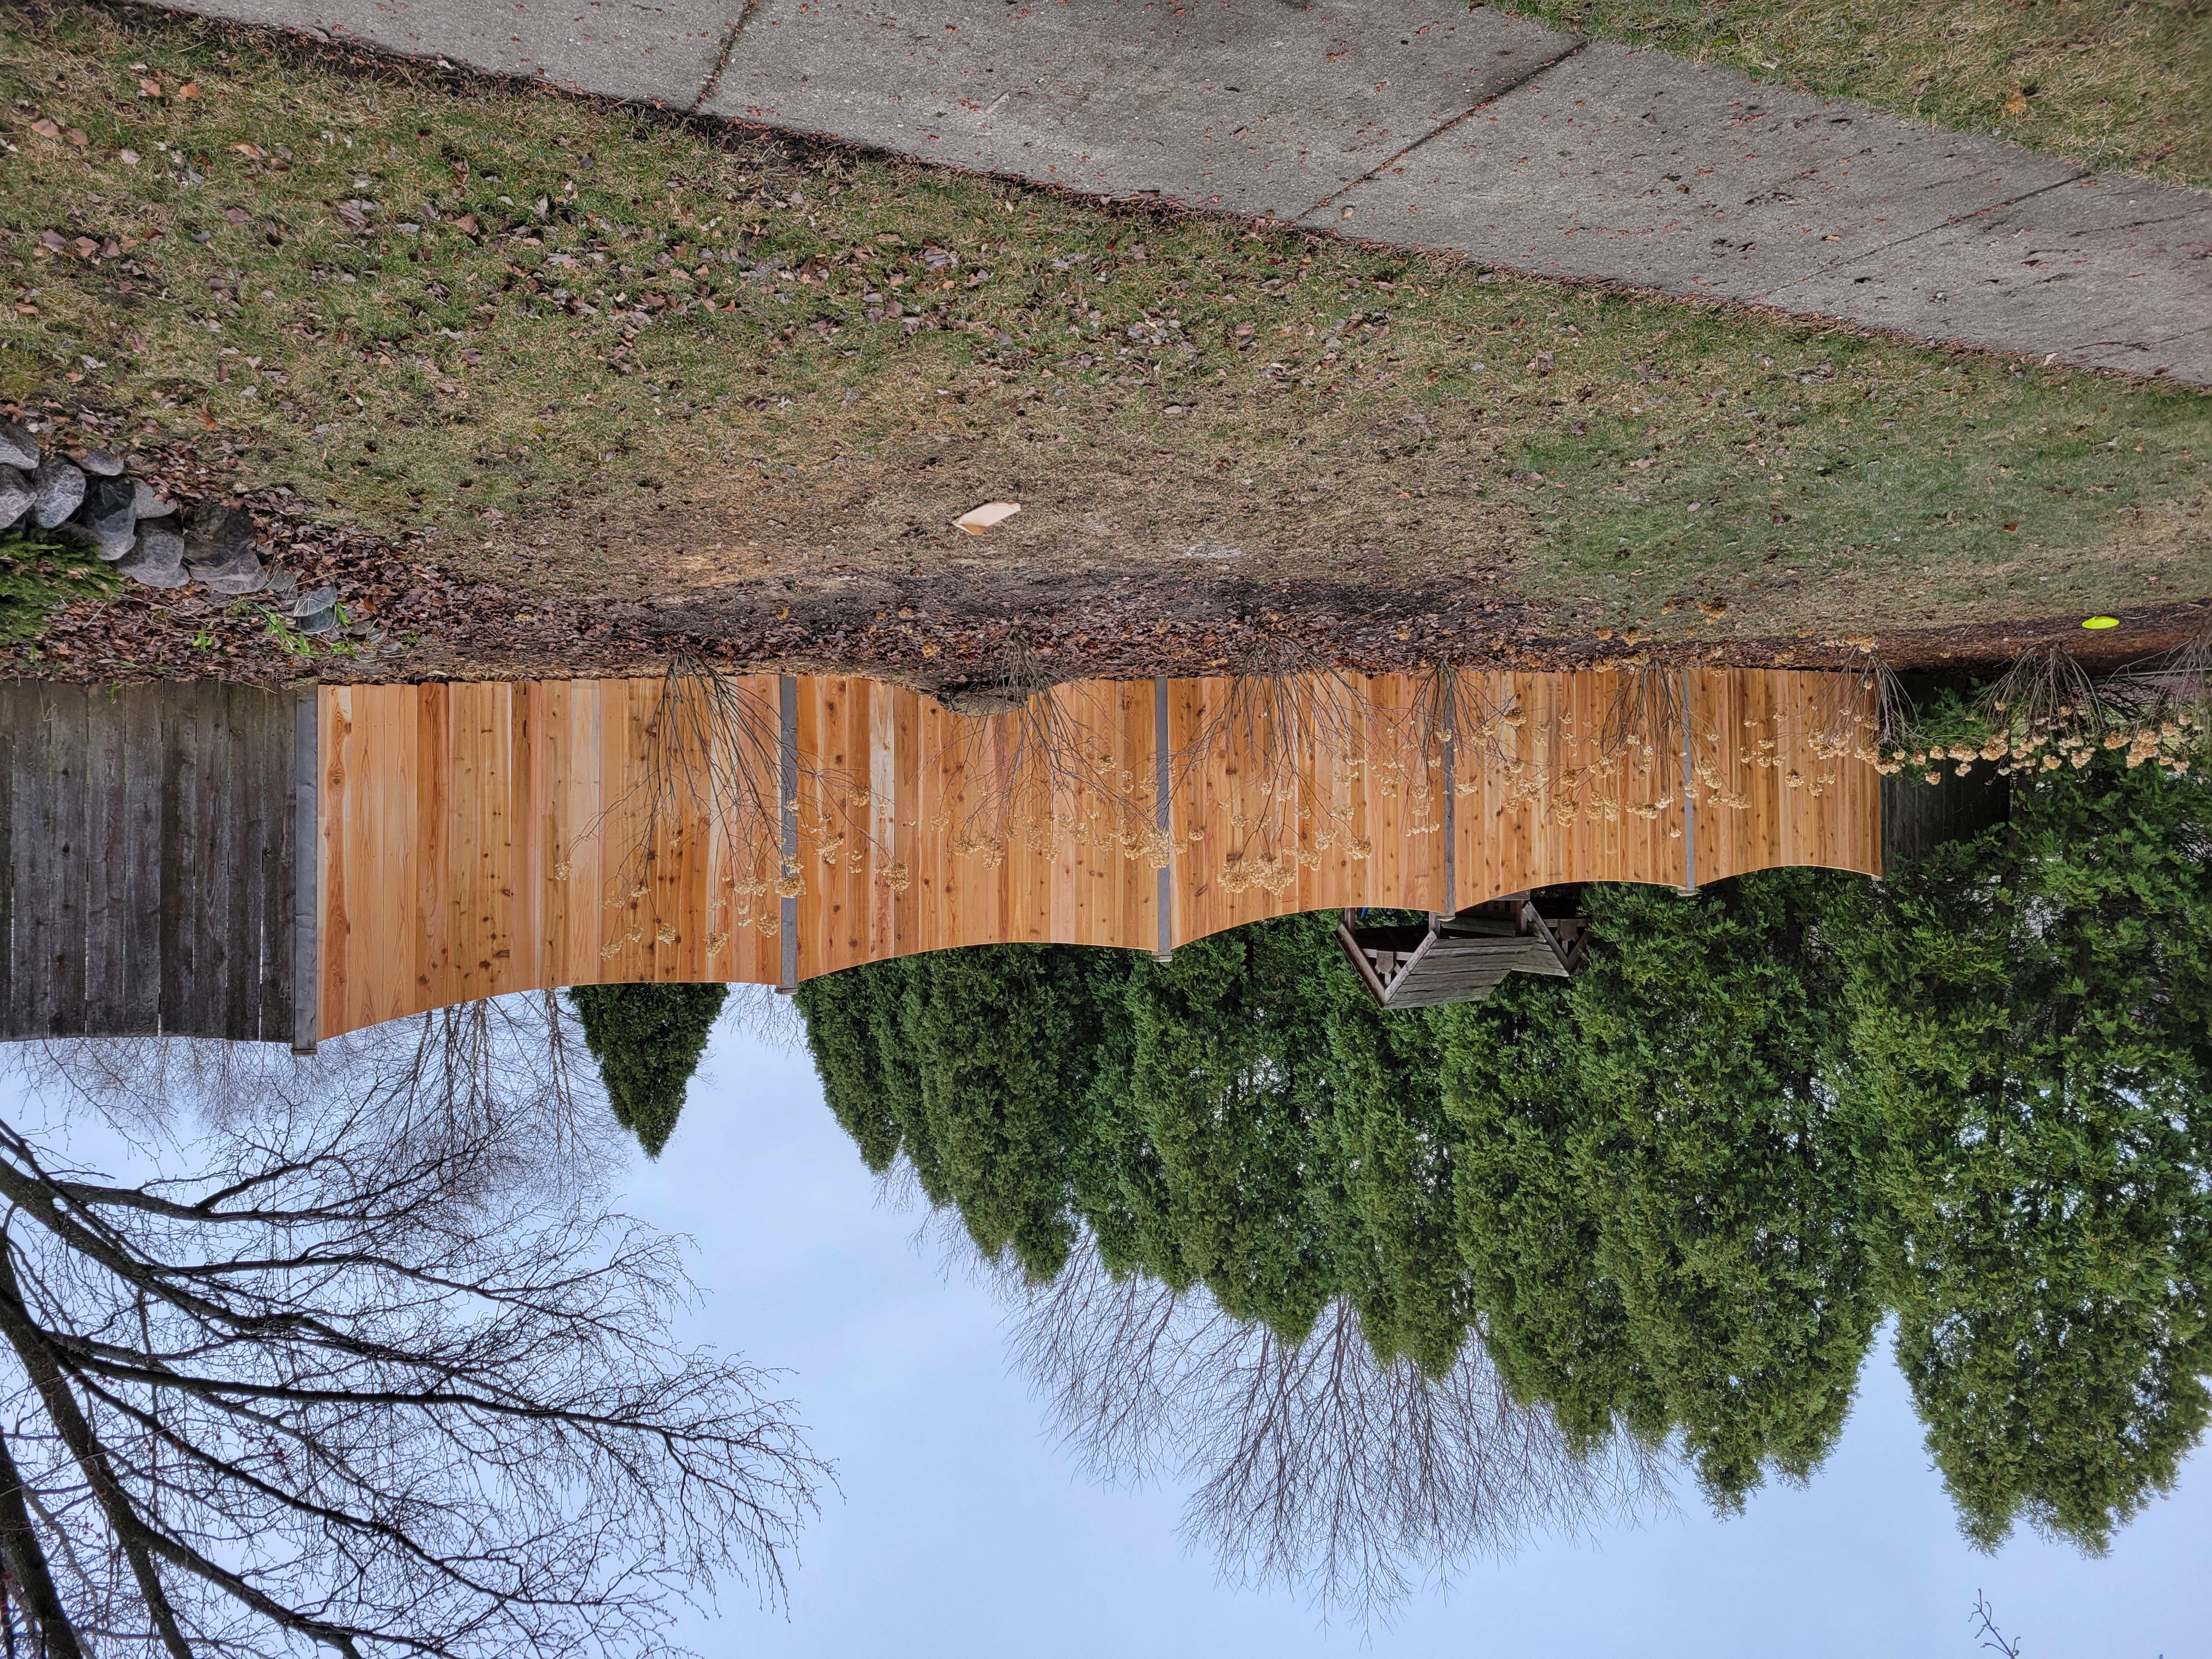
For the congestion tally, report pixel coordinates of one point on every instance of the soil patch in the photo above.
(409, 617)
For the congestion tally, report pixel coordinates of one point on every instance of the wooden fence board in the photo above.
(48, 912)
(278, 832)
(107, 811)
(248, 786)
(189, 916)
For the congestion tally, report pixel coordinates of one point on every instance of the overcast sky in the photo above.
(963, 1530)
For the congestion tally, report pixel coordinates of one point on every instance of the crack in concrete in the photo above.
(1902, 241)
(722, 60)
(1438, 130)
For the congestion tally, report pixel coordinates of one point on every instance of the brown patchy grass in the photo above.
(581, 350)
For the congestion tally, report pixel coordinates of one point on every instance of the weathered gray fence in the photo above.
(1917, 818)
(150, 850)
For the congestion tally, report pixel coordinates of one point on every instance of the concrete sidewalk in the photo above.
(1423, 124)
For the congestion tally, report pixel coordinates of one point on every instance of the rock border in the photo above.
(90, 496)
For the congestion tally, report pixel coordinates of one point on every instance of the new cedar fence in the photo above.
(481, 839)
(473, 840)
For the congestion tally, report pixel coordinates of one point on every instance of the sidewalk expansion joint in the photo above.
(722, 59)
(1442, 128)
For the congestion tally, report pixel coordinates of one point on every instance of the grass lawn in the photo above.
(590, 350)
(2109, 84)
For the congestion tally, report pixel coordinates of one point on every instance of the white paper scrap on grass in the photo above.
(991, 513)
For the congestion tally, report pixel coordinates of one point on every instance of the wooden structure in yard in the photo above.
(149, 875)
(1461, 957)
(481, 839)
(1918, 817)
(468, 841)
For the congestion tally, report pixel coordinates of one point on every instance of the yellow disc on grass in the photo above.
(2101, 622)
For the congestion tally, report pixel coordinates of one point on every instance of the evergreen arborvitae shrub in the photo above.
(1678, 1194)
(648, 1040)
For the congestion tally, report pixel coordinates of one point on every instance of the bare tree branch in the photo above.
(364, 1364)
(1314, 1466)
(32, 1581)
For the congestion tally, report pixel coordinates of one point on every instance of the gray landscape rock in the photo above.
(320, 622)
(218, 534)
(282, 582)
(102, 463)
(156, 558)
(77, 535)
(309, 604)
(14, 495)
(57, 491)
(232, 580)
(148, 505)
(108, 513)
(18, 449)
(219, 550)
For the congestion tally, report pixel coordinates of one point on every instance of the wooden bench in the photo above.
(1461, 958)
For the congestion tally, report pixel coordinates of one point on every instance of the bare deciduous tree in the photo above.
(1314, 1466)
(380, 1374)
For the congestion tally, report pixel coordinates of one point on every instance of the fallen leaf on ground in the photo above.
(991, 513)
(149, 87)
(190, 89)
(47, 128)
(2016, 103)
(467, 224)
(251, 152)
